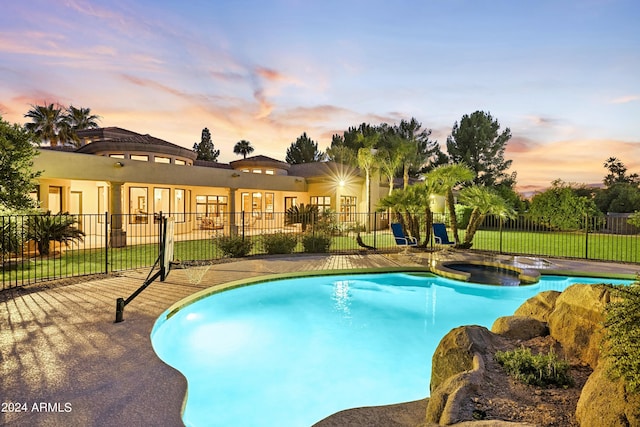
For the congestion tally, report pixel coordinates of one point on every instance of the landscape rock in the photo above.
(455, 352)
(519, 327)
(458, 370)
(539, 306)
(576, 321)
(604, 402)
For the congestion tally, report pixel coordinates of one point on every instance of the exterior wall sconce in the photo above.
(235, 175)
(118, 164)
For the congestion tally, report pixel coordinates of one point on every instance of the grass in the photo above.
(597, 246)
(535, 369)
(78, 262)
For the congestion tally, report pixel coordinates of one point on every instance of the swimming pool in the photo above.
(292, 352)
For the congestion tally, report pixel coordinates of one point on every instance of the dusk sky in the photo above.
(564, 76)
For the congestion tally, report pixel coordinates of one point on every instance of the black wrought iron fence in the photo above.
(37, 248)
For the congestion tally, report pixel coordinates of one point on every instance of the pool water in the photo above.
(292, 352)
(488, 274)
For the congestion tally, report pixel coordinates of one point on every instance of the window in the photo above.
(179, 162)
(245, 170)
(269, 172)
(323, 202)
(210, 206)
(162, 160)
(347, 208)
(55, 199)
(256, 170)
(179, 201)
(140, 158)
(268, 205)
(160, 202)
(290, 202)
(35, 195)
(138, 205)
(256, 204)
(116, 156)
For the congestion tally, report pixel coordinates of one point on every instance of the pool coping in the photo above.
(529, 275)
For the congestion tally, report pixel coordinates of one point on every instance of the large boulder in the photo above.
(539, 306)
(457, 374)
(519, 327)
(576, 321)
(604, 402)
(455, 352)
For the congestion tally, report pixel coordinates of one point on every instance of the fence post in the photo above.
(586, 237)
(243, 222)
(375, 228)
(106, 243)
(500, 220)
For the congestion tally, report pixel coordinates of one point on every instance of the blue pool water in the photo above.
(292, 352)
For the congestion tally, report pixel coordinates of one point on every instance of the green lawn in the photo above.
(596, 246)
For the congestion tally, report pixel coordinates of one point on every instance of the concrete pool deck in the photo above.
(63, 360)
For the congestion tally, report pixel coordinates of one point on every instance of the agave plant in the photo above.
(46, 228)
(302, 214)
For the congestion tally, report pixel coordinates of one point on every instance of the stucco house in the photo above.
(123, 172)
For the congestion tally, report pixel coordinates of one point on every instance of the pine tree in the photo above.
(205, 149)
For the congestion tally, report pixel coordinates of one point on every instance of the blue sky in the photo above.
(562, 75)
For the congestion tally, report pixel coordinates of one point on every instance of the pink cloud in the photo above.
(625, 99)
(520, 144)
(578, 161)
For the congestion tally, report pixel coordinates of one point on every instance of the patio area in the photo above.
(63, 360)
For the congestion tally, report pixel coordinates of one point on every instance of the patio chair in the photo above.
(401, 239)
(440, 234)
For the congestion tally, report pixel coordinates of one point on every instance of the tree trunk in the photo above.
(415, 227)
(474, 223)
(451, 205)
(428, 225)
(405, 176)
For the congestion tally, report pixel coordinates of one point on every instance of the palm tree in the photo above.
(79, 119)
(367, 162)
(46, 123)
(389, 159)
(243, 147)
(415, 146)
(407, 205)
(446, 177)
(484, 202)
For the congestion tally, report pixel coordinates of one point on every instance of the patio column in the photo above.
(44, 196)
(117, 236)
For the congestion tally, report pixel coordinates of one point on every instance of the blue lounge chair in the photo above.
(440, 234)
(401, 239)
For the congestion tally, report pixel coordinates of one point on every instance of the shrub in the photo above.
(46, 228)
(622, 335)
(539, 369)
(302, 214)
(10, 241)
(316, 243)
(234, 246)
(279, 243)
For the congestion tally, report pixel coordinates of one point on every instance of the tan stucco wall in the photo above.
(64, 165)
